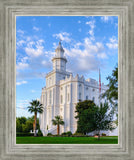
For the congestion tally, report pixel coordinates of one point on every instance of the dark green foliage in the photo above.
(85, 115)
(49, 134)
(112, 93)
(24, 125)
(64, 134)
(103, 134)
(21, 134)
(36, 106)
(40, 133)
(68, 134)
(104, 118)
(77, 134)
(93, 118)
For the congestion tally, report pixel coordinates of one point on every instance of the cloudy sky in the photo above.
(90, 43)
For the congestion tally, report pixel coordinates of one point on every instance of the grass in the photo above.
(67, 140)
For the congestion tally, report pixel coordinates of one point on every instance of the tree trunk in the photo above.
(58, 129)
(35, 122)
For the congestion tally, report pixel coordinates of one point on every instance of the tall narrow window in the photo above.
(86, 97)
(93, 99)
(50, 97)
(68, 97)
(61, 99)
(79, 96)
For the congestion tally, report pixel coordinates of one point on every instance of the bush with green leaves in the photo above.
(69, 133)
(40, 133)
(103, 134)
(49, 134)
(64, 134)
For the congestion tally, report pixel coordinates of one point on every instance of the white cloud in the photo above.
(22, 104)
(36, 28)
(20, 43)
(22, 64)
(86, 56)
(64, 36)
(106, 19)
(20, 31)
(35, 48)
(113, 43)
(20, 83)
(102, 56)
(92, 26)
(91, 32)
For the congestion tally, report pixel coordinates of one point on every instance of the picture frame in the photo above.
(124, 150)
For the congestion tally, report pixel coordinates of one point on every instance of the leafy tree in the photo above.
(19, 122)
(18, 126)
(85, 116)
(27, 127)
(112, 92)
(93, 118)
(35, 107)
(58, 121)
(24, 124)
(103, 118)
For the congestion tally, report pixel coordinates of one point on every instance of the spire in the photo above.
(59, 60)
(59, 48)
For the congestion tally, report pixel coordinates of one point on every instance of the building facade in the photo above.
(61, 94)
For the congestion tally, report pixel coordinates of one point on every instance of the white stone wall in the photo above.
(61, 94)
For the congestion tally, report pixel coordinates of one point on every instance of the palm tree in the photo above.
(58, 121)
(35, 107)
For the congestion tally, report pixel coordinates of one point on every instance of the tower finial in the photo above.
(60, 41)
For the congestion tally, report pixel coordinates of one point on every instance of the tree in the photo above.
(35, 107)
(18, 126)
(27, 127)
(85, 116)
(112, 92)
(58, 121)
(103, 118)
(19, 122)
(93, 118)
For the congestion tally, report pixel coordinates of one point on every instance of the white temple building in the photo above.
(61, 94)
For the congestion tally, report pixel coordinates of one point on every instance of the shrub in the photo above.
(21, 134)
(49, 134)
(103, 134)
(40, 133)
(69, 133)
(78, 134)
(64, 134)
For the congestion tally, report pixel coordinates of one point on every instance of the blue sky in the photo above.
(90, 43)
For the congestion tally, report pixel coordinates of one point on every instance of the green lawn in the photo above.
(67, 140)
